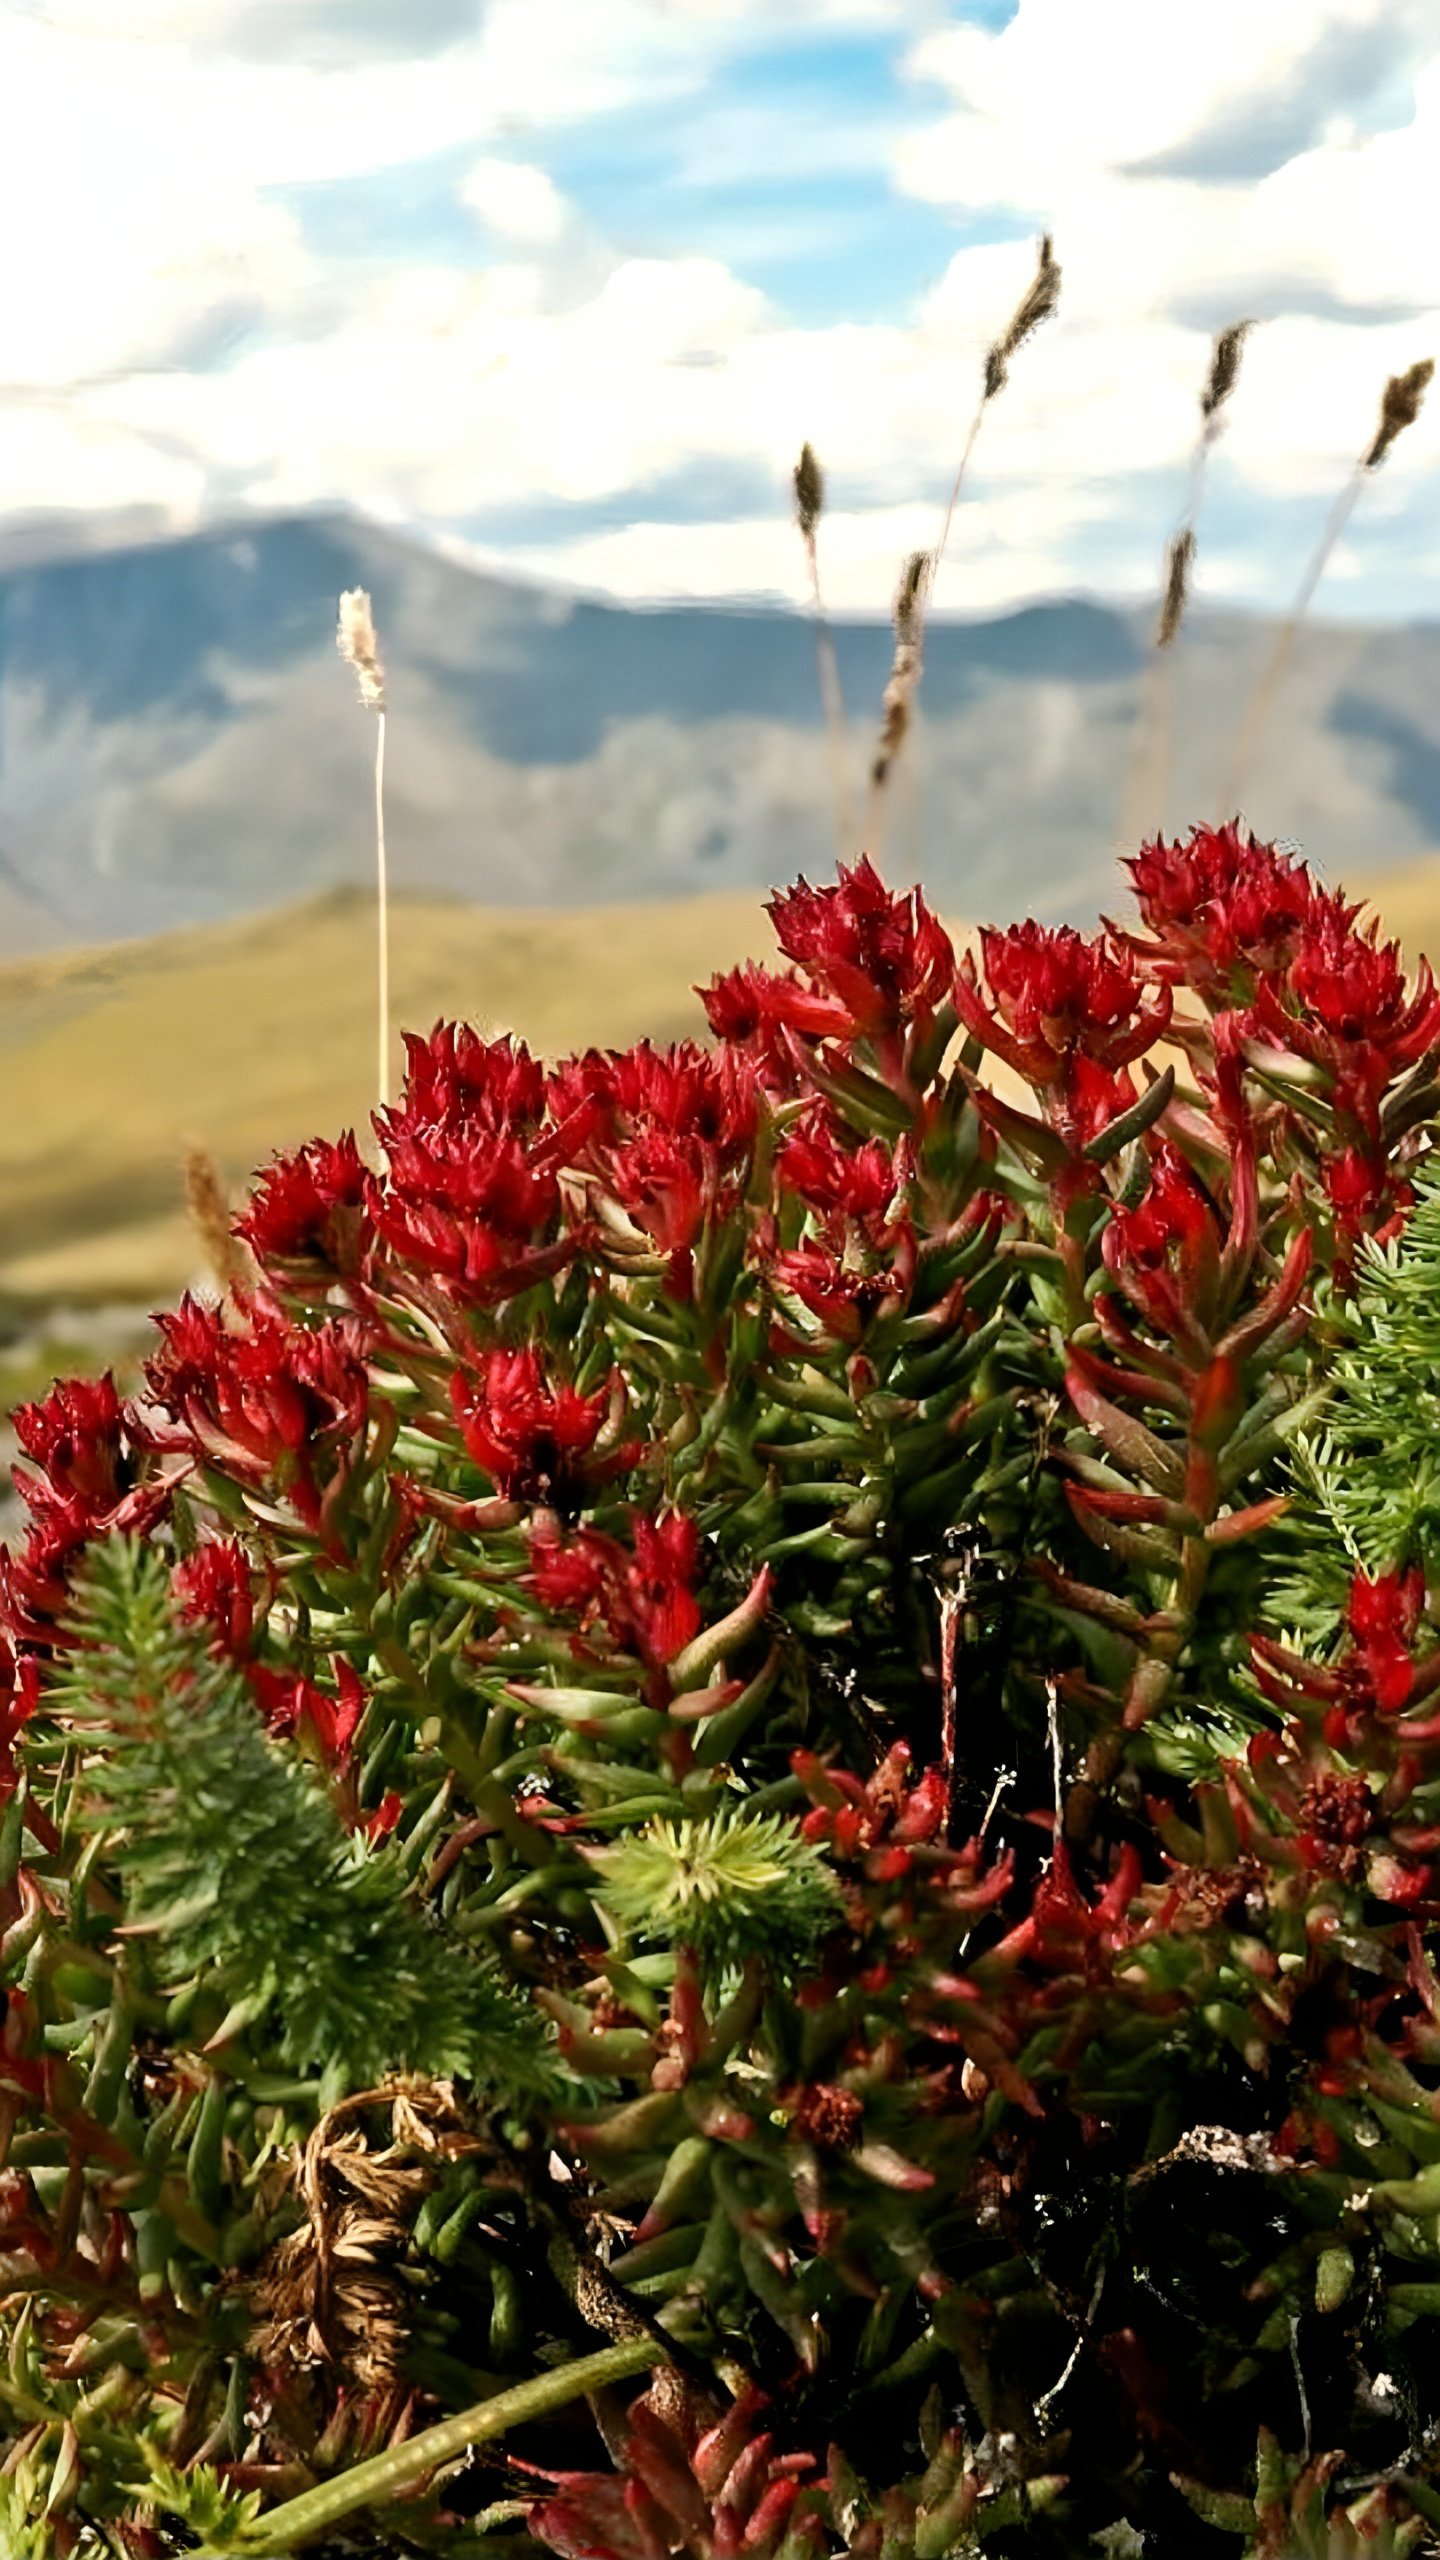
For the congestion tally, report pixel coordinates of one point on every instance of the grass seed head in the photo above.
(1177, 586)
(1400, 405)
(358, 646)
(1035, 305)
(899, 694)
(809, 491)
(1224, 369)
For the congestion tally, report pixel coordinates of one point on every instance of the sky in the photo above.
(562, 285)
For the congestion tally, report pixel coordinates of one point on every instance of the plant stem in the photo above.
(387, 2475)
(1258, 708)
(382, 914)
(833, 703)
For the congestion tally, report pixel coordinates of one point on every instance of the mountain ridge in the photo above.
(179, 743)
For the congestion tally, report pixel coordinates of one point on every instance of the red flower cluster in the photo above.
(214, 1587)
(665, 1134)
(729, 2496)
(472, 1196)
(1288, 977)
(279, 1406)
(645, 1598)
(861, 1254)
(883, 960)
(312, 1207)
(871, 967)
(1380, 1675)
(88, 1485)
(536, 1439)
(1058, 998)
(1223, 911)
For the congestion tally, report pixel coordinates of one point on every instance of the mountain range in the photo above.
(180, 746)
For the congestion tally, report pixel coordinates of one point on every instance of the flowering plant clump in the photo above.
(721, 1827)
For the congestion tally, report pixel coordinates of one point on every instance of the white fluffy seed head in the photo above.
(358, 646)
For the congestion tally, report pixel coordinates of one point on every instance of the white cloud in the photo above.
(516, 199)
(1004, 550)
(142, 172)
(1064, 89)
(1080, 117)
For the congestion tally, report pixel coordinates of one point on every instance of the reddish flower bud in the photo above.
(886, 960)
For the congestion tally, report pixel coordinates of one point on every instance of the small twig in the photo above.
(1052, 1721)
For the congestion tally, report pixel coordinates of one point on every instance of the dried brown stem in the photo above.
(809, 505)
(1400, 404)
(918, 582)
(1144, 798)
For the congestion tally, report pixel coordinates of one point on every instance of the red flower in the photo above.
(1369, 1198)
(726, 2496)
(89, 1485)
(1058, 998)
(646, 1598)
(311, 1206)
(884, 960)
(293, 1705)
(681, 1088)
(750, 1006)
(1383, 1617)
(668, 1133)
(75, 1437)
(1223, 908)
(533, 1438)
(1063, 1930)
(214, 1589)
(1344, 1005)
(664, 1612)
(834, 1175)
(855, 1818)
(844, 1296)
(862, 1258)
(278, 1405)
(458, 1081)
(475, 1209)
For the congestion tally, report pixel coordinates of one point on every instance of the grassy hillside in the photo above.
(245, 1038)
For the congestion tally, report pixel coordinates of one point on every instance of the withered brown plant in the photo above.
(329, 2294)
(809, 485)
(1400, 405)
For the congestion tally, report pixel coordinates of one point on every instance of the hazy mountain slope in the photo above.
(179, 744)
